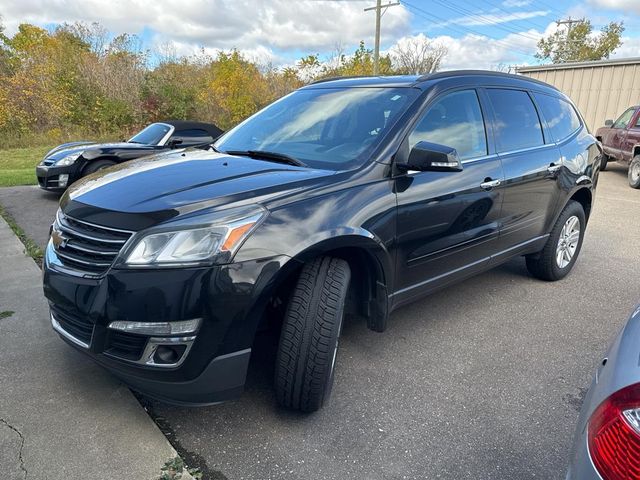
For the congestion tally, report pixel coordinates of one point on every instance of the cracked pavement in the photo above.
(11, 445)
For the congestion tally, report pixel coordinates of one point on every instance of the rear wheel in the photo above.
(308, 346)
(604, 160)
(96, 165)
(634, 172)
(563, 246)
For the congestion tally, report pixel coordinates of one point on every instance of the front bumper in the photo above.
(229, 299)
(49, 176)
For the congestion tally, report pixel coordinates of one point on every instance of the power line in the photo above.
(482, 19)
(464, 30)
(497, 7)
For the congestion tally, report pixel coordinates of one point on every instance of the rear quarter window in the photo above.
(559, 114)
(517, 125)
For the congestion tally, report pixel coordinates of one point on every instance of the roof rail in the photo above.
(456, 73)
(329, 79)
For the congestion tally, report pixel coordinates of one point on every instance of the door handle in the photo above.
(489, 184)
(553, 168)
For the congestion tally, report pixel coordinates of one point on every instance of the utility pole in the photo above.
(376, 53)
(569, 23)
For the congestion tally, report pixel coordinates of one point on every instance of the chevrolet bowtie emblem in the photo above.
(59, 240)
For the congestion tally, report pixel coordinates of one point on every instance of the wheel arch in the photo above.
(582, 194)
(87, 161)
(371, 271)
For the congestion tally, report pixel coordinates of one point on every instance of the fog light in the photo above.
(157, 328)
(63, 180)
(169, 354)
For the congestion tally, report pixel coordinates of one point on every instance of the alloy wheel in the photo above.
(635, 172)
(568, 241)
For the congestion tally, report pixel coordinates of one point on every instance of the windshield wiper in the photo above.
(271, 156)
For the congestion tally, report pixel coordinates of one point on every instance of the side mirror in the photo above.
(174, 143)
(608, 123)
(427, 156)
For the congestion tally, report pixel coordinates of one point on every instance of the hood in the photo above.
(92, 149)
(66, 149)
(189, 180)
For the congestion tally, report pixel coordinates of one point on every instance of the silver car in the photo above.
(607, 439)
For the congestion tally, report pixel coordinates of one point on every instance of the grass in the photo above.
(6, 314)
(30, 247)
(17, 165)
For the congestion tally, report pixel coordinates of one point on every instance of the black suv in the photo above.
(353, 195)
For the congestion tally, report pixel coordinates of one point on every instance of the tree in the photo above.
(579, 44)
(417, 55)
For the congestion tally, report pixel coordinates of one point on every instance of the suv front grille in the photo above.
(85, 247)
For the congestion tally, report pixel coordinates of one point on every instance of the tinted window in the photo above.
(334, 128)
(561, 117)
(192, 137)
(152, 134)
(454, 120)
(517, 124)
(624, 119)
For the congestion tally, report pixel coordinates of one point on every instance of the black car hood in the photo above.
(189, 180)
(92, 149)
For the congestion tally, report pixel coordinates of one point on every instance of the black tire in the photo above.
(604, 160)
(311, 328)
(634, 172)
(544, 264)
(96, 165)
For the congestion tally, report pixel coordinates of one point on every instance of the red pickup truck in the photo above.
(621, 142)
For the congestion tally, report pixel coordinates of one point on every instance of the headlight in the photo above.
(202, 239)
(68, 160)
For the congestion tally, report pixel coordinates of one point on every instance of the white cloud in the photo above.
(630, 48)
(481, 52)
(515, 3)
(632, 6)
(220, 24)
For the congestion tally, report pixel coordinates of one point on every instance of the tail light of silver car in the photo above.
(614, 435)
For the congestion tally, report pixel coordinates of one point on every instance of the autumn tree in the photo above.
(579, 43)
(417, 55)
(234, 89)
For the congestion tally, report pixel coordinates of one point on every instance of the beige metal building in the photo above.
(601, 90)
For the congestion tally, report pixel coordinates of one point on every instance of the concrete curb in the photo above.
(62, 416)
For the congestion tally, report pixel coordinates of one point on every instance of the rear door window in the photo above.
(454, 120)
(560, 115)
(517, 125)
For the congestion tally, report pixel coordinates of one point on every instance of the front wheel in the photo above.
(97, 165)
(311, 328)
(563, 246)
(634, 172)
(604, 160)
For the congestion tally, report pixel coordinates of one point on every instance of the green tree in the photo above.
(579, 44)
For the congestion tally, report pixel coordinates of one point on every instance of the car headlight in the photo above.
(201, 239)
(68, 160)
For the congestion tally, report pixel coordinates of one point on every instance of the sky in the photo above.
(477, 34)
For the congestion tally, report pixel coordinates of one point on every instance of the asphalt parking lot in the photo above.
(482, 380)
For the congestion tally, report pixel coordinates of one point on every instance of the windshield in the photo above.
(333, 128)
(151, 135)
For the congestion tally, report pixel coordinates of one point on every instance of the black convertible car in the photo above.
(70, 161)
